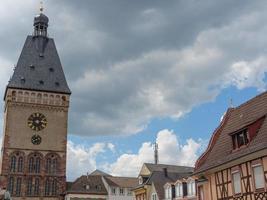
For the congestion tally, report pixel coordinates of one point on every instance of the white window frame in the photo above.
(235, 192)
(179, 190)
(121, 193)
(154, 196)
(254, 177)
(113, 191)
(191, 188)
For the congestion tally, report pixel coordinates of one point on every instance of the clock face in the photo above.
(37, 121)
(36, 139)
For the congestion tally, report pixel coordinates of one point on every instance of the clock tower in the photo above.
(33, 160)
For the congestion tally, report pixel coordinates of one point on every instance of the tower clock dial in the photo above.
(37, 121)
(36, 139)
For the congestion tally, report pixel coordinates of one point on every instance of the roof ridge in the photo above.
(252, 99)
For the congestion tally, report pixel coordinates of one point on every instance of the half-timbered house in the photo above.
(234, 165)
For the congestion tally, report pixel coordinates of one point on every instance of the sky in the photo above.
(144, 71)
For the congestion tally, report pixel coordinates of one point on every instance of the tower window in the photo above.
(32, 67)
(13, 164)
(29, 187)
(18, 187)
(11, 185)
(37, 187)
(22, 80)
(240, 139)
(20, 164)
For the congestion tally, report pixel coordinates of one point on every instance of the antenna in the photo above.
(231, 103)
(156, 154)
(41, 6)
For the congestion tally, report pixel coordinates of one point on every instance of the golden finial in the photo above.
(41, 7)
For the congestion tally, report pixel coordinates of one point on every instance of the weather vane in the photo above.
(41, 7)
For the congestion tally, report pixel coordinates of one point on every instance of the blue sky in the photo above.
(145, 71)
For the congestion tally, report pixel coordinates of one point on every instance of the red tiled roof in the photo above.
(220, 149)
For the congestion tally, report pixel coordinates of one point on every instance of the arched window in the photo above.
(18, 187)
(11, 185)
(37, 165)
(52, 161)
(37, 187)
(13, 163)
(34, 161)
(20, 164)
(31, 165)
(29, 187)
(54, 166)
(48, 165)
(47, 187)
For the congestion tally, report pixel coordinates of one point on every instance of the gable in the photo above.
(251, 115)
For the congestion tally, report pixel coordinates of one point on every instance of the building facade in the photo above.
(153, 177)
(100, 185)
(234, 165)
(33, 164)
(120, 188)
(182, 189)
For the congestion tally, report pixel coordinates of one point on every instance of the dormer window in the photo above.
(240, 139)
(140, 180)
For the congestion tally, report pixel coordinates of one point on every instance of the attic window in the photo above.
(51, 69)
(22, 80)
(240, 139)
(41, 82)
(57, 84)
(32, 67)
(41, 55)
(87, 187)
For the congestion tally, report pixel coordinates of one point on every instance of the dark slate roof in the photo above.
(171, 168)
(39, 67)
(96, 186)
(126, 182)
(220, 149)
(159, 179)
(99, 173)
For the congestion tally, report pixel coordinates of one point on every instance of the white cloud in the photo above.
(171, 151)
(81, 159)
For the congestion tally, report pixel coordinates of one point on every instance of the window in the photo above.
(34, 165)
(113, 191)
(11, 185)
(47, 187)
(191, 188)
(240, 139)
(20, 164)
(54, 187)
(154, 196)
(37, 187)
(258, 176)
(179, 189)
(121, 191)
(236, 181)
(13, 164)
(129, 192)
(29, 187)
(52, 164)
(18, 187)
(168, 192)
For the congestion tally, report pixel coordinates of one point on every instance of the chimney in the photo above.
(165, 171)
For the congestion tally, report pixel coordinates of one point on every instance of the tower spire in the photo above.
(41, 23)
